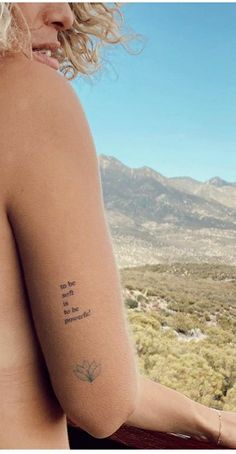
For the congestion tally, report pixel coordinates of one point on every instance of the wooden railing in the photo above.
(132, 438)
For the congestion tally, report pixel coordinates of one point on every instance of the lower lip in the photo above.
(50, 61)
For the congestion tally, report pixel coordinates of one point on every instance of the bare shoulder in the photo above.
(31, 85)
(34, 94)
(42, 115)
(19, 71)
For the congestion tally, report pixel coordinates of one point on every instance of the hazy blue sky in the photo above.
(172, 107)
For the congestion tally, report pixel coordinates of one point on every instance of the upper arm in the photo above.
(56, 211)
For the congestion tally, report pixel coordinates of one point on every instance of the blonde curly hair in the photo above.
(95, 25)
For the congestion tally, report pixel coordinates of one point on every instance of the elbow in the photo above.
(101, 426)
(109, 409)
(106, 428)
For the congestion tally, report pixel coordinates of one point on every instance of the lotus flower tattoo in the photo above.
(87, 372)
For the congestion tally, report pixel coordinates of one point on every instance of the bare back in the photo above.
(31, 416)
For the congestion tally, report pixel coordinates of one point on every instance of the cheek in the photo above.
(30, 12)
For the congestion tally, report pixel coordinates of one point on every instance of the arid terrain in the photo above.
(154, 219)
(182, 318)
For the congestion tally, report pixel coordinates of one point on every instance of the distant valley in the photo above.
(155, 219)
(175, 244)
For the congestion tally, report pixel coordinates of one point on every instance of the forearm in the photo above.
(163, 409)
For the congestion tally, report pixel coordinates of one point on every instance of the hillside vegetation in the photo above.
(182, 319)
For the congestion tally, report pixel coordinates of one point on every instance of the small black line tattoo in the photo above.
(87, 372)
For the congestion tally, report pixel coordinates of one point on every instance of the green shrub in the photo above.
(181, 323)
(230, 399)
(131, 303)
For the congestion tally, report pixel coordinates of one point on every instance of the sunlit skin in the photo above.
(31, 415)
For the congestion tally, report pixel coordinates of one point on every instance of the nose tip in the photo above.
(62, 16)
(68, 17)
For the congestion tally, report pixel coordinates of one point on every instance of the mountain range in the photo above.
(155, 219)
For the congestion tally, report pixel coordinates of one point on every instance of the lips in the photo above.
(43, 58)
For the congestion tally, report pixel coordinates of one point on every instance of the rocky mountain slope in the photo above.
(154, 219)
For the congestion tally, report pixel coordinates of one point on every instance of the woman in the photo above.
(65, 346)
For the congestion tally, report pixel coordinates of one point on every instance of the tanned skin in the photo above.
(64, 338)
